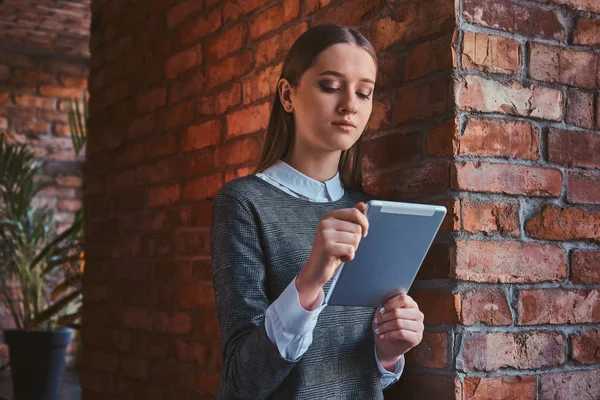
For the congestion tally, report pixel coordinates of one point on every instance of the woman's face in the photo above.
(333, 100)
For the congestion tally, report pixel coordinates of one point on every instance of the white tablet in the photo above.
(388, 259)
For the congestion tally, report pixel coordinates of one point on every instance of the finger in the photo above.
(404, 335)
(399, 324)
(413, 314)
(362, 207)
(343, 251)
(346, 238)
(353, 215)
(345, 226)
(401, 300)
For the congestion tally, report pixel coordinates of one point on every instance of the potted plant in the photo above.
(41, 269)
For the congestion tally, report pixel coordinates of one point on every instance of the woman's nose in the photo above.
(348, 105)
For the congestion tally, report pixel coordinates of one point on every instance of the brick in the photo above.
(487, 306)
(192, 242)
(478, 94)
(151, 100)
(197, 28)
(424, 100)
(392, 149)
(500, 388)
(230, 68)
(312, 6)
(585, 266)
(586, 5)
(142, 126)
(3, 123)
(238, 173)
(432, 352)
(68, 205)
(234, 9)
(26, 100)
(510, 16)
(587, 32)
(60, 92)
(380, 116)
(248, 120)
(160, 146)
(442, 140)
(237, 152)
(583, 187)
(187, 85)
(492, 54)
(573, 149)
(175, 322)
(556, 223)
(273, 18)
(169, 373)
(136, 318)
(182, 11)
(134, 367)
(74, 82)
(428, 58)
(558, 306)
(206, 383)
(5, 73)
(227, 42)
(163, 195)
(192, 164)
(508, 179)
(509, 262)
(427, 386)
(196, 296)
(183, 61)
(176, 271)
(192, 352)
(351, 12)
(222, 101)
(200, 136)
(492, 351)
(563, 65)
(438, 307)
(500, 138)
(30, 76)
(202, 188)
(586, 347)
(180, 114)
(490, 217)
(408, 183)
(263, 84)
(207, 325)
(580, 108)
(570, 385)
(274, 47)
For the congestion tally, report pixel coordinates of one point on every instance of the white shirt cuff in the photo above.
(289, 326)
(387, 377)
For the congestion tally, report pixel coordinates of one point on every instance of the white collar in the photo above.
(284, 174)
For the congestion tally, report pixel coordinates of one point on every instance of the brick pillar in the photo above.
(488, 114)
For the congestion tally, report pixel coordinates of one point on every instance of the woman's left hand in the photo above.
(397, 330)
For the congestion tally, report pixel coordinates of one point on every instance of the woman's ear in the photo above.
(285, 94)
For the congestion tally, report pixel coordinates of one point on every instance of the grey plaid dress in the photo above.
(260, 238)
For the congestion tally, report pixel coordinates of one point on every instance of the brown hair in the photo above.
(301, 57)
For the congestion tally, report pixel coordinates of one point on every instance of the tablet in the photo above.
(388, 259)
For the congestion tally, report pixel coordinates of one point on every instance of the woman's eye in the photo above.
(364, 96)
(329, 89)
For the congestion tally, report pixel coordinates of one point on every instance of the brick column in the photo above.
(489, 111)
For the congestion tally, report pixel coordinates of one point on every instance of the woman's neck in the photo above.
(318, 166)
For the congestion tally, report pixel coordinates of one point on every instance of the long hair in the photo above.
(302, 55)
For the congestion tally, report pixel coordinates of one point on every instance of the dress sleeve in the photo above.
(252, 365)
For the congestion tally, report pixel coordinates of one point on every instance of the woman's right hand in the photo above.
(338, 236)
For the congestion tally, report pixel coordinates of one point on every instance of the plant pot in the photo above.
(37, 360)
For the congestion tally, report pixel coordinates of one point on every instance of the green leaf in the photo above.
(54, 309)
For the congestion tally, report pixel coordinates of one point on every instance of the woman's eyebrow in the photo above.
(340, 75)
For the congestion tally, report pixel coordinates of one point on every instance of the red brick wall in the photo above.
(180, 96)
(43, 63)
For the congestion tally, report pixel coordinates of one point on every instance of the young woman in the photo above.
(278, 235)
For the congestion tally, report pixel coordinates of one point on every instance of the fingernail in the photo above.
(381, 310)
(376, 321)
(377, 331)
(381, 336)
(366, 233)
